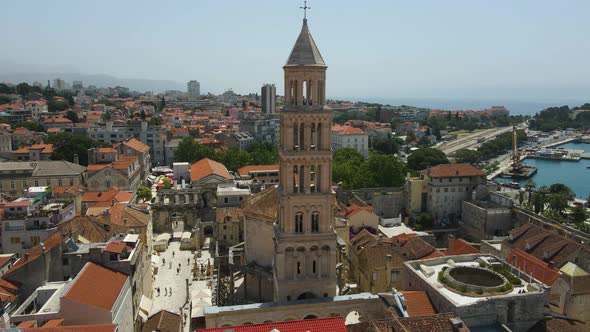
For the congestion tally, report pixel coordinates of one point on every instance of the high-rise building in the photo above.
(77, 85)
(193, 89)
(269, 96)
(59, 84)
(305, 251)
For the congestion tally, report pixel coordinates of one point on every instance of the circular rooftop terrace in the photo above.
(474, 281)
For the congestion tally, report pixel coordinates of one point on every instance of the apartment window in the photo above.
(450, 180)
(36, 183)
(65, 261)
(35, 240)
(374, 276)
(225, 200)
(1, 184)
(314, 267)
(48, 182)
(437, 190)
(15, 240)
(446, 190)
(452, 190)
(60, 182)
(71, 182)
(394, 276)
(440, 180)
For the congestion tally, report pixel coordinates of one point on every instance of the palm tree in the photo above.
(530, 185)
(540, 199)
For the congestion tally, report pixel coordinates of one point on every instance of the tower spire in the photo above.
(305, 8)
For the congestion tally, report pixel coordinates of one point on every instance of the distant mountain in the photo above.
(11, 72)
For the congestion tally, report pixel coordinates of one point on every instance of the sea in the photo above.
(516, 107)
(573, 174)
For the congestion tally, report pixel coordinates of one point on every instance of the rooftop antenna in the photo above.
(305, 8)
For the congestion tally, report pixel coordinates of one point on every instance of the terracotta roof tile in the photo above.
(115, 247)
(164, 321)
(96, 286)
(54, 322)
(533, 266)
(453, 170)
(205, 167)
(418, 303)
(460, 247)
(245, 171)
(136, 145)
(263, 205)
(328, 324)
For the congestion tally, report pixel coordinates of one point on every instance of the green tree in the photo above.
(191, 151)
(578, 214)
(5, 100)
(426, 157)
(144, 193)
(467, 156)
(23, 89)
(4, 88)
(72, 116)
(167, 184)
(386, 170)
(529, 186)
(65, 146)
(385, 145)
(558, 202)
(540, 199)
(155, 121)
(162, 103)
(411, 137)
(30, 125)
(560, 188)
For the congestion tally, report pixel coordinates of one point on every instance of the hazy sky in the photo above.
(412, 48)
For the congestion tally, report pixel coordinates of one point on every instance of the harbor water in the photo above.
(573, 174)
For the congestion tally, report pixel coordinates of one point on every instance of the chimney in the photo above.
(457, 324)
(76, 159)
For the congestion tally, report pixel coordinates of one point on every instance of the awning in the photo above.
(145, 306)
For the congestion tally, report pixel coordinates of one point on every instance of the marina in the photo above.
(574, 174)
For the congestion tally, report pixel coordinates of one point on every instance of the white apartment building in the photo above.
(193, 89)
(350, 137)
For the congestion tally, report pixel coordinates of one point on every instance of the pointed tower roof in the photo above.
(305, 52)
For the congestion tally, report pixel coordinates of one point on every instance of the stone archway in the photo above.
(306, 295)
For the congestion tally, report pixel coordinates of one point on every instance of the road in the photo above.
(471, 141)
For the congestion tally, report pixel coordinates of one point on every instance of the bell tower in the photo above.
(305, 239)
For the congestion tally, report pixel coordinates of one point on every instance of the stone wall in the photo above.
(386, 202)
(367, 306)
(483, 223)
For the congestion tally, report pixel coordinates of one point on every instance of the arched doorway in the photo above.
(306, 295)
(208, 231)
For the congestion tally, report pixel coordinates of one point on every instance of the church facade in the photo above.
(299, 212)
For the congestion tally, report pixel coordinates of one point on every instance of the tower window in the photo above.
(314, 267)
(315, 222)
(298, 267)
(299, 223)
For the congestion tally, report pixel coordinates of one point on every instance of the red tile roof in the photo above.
(54, 322)
(4, 259)
(328, 324)
(96, 286)
(533, 266)
(205, 167)
(453, 170)
(115, 247)
(418, 303)
(347, 130)
(136, 145)
(460, 247)
(245, 171)
(28, 323)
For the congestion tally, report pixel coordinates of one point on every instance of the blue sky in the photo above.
(414, 48)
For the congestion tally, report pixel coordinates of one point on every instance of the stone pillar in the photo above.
(307, 178)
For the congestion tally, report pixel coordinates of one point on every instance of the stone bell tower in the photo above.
(305, 240)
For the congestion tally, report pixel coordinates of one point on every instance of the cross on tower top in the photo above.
(305, 8)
